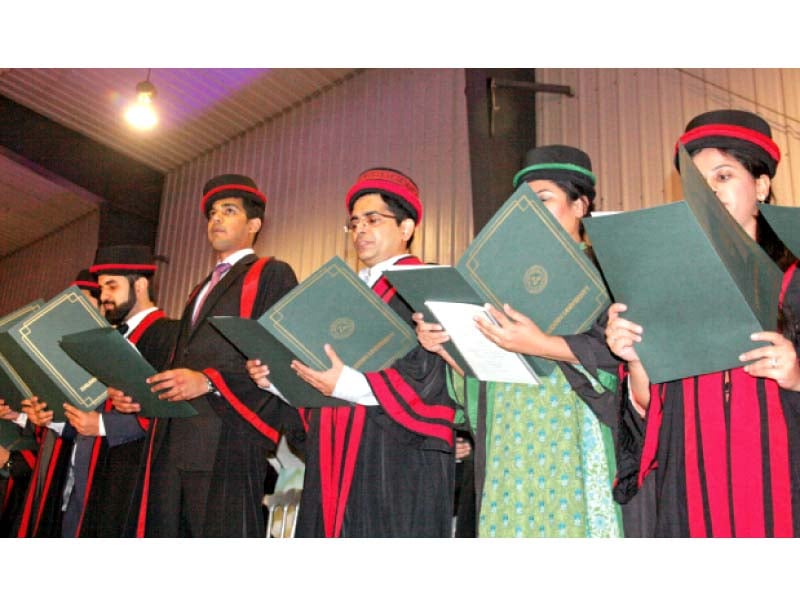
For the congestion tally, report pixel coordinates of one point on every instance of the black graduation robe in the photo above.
(387, 470)
(14, 488)
(41, 515)
(111, 487)
(220, 454)
(723, 450)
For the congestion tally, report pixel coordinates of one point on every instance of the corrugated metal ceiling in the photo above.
(198, 108)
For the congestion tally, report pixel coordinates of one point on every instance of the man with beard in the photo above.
(124, 274)
(98, 490)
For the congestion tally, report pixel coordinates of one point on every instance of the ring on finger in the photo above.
(773, 362)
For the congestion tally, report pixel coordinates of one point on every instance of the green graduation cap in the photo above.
(691, 276)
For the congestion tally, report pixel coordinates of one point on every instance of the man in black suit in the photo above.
(207, 471)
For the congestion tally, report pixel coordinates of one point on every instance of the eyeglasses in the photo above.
(370, 219)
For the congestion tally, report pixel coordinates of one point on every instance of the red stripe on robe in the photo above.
(747, 475)
(335, 478)
(694, 497)
(393, 408)
(246, 413)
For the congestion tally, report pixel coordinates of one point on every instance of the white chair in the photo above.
(283, 503)
(283, 508)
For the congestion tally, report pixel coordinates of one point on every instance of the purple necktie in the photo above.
(219, 271)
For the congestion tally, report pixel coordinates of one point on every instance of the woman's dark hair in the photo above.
(575, 191)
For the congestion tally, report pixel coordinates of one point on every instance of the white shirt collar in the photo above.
(371, 274)
(236, 256)
(136, 320)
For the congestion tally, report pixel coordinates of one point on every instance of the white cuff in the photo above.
(274, 390)
(101, 426)
(353, 386)
(57, 427)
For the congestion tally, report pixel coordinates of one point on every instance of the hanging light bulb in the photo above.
(141, 114)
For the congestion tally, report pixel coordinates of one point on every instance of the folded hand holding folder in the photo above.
(31, 345)
(331, 306)
(107, 355)
(522, 257)
(691, 277)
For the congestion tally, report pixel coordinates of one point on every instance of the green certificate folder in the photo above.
(785, 222)
(254, 341)
(691, 277)
(107, 355)
(32, 347)
(522, 257)
(331, 306)
(13, 388)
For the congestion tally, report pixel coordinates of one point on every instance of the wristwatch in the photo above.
(210, 384)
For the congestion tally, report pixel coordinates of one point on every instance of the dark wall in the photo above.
(494, 159)
(131, 190)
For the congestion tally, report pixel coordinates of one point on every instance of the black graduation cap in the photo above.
(124, 260)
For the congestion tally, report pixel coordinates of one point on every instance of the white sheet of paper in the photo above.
(488, 361)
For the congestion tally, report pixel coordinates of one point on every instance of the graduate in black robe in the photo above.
(204, 475)
(723, 448)
(43, 510)
(384, 467)
(125, 276)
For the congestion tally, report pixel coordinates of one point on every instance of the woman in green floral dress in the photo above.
(547, 450)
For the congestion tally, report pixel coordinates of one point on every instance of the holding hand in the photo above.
(463, 448)
(37, 412)
(85, 423)
(324, 381)
(258, 373)
(6, 412)
(179, 384)
(778, 361)
(514, 331)
(430, 336)
(122, 403)
(621, 334)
